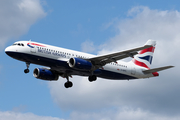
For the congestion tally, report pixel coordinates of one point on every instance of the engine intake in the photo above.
(80, 64)
(45, 74)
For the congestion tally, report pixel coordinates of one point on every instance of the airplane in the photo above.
(66, 63)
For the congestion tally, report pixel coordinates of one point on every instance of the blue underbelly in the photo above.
(64, 67)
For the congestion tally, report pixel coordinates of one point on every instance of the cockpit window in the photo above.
(18, 44)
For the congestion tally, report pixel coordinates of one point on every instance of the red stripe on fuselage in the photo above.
(37, 44)
(151, 49)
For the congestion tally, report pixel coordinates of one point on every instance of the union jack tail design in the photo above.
(144, 57)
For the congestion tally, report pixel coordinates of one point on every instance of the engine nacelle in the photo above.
(45, 74)
(80, 64)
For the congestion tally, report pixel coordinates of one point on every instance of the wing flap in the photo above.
(157, 69)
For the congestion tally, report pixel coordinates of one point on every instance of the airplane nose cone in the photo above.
(8, 51)
(12, 52)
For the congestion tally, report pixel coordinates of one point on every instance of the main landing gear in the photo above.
(68, 84)
(27, 65)
(92, 78)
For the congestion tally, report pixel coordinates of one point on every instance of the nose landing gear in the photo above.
(27, 65)
(26, 71)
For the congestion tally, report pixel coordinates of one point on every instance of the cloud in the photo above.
(121, 113)
(106, 26)
(159, 96)
(145, 24)
(8, 115)
(88, 46)
(124, 114)
(17, 16)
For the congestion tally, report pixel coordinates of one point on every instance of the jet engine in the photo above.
(80, 64)
(45, 74)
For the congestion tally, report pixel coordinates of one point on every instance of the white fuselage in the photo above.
(57, 59)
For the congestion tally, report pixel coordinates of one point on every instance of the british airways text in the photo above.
(51, 53)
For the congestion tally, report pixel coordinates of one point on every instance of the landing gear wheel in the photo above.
(68, 84)
(92, 78)
(26, 71)
(27, 65)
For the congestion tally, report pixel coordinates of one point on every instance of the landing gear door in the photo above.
(33, 49)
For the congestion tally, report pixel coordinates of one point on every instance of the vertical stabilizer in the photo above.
(144, 57)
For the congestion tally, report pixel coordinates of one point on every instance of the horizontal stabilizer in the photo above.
(157, 69)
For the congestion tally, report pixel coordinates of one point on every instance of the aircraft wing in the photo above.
(102, 60)
(157, 69)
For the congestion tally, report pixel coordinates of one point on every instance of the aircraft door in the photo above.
(133, 70)
(33, 49)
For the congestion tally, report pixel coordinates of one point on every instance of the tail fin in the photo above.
(144, 57)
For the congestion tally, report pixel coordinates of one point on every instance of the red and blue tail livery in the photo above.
(145, 56)
(59, 62)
